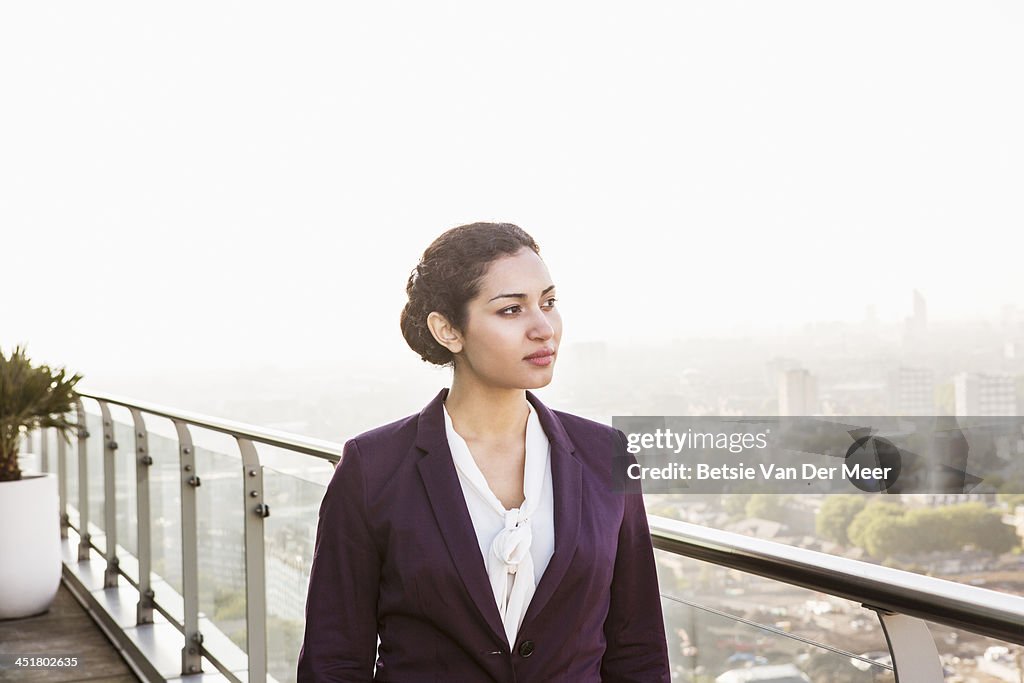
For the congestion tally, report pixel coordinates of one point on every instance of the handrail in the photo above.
(983, 611)
(318, 448)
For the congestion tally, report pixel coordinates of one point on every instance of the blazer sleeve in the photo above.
(634, 629)
(340, 641)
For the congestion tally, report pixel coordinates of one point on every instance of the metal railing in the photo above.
(251, 501)
(902, 600)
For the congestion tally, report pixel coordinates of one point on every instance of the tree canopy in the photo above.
(886, 530)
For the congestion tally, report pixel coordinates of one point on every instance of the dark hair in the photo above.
(448, 277)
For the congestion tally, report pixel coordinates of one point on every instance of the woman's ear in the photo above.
(444, 332)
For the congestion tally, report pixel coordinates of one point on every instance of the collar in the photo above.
(430, 429)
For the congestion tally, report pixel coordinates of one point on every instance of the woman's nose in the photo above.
(542, 327)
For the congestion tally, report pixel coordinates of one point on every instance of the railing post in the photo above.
(62, 484)
(915, 659)
(143, 461)
(109, 497)
(83, 484)
(255, 567)
(44, 450)
(192, 653)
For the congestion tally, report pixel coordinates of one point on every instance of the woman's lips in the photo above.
(541, 358)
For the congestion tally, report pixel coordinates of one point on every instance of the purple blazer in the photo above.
(397, 557)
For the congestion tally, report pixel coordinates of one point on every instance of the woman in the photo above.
(481, 540)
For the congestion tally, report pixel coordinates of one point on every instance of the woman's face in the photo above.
(512, 328)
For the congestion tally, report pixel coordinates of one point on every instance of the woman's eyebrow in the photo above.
(518, 295)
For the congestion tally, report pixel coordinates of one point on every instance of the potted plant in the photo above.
(30, 564)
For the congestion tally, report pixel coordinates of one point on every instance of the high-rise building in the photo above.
(915, 333)
(912, 391)
(982, 394)
(798, 393)
(775, 370)
(1012, 329)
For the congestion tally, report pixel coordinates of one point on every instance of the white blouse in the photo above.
(516, 544)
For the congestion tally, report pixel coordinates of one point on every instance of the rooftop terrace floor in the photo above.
(66, 630)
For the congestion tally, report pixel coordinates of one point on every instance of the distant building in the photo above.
(915, 334)
(912, 391)
(946, 499)
(985, 395)
(1012, 361)
(798, 393)
(999, 662)
(775, 369)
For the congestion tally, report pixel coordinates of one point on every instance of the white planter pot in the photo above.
(30, 563)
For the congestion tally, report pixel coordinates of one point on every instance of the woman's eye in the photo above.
(513, 310)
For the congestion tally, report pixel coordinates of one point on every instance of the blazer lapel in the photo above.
(449, 505)
(567, 487)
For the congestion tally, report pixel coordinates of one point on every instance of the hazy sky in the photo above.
(212, 184)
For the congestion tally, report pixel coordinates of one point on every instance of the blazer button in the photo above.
(526, 648)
